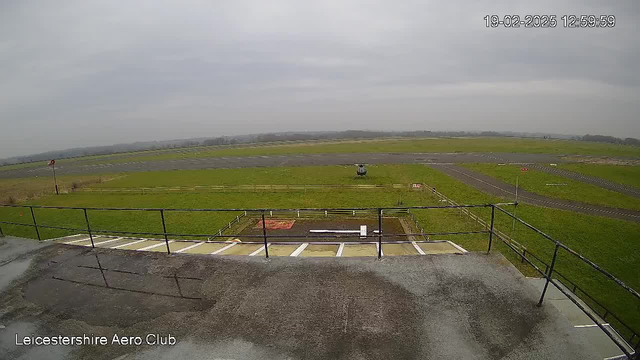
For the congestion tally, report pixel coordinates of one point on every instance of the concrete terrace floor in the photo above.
(470, 306)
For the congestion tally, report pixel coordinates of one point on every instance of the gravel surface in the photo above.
(470, 306)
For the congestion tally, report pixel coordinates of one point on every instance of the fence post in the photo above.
(86, 219)
(493, 214)
(264, 233)
(35, 224)
(164, 230)
(379, 233)
(548, 276)
(1, 233)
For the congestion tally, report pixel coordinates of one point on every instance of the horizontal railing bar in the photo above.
(248, 210)
(524, 257)
(527, 224)
(601, 270)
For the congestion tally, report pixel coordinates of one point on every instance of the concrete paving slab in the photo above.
(72, 238)
(174, 246)
(141, 245)
(399, 249)
(359, 250)
(206, 248)
(281, 250)
(571, 311)
(241, 249)
(79, 242)
(314, 250)
(552, 292)
(437, 248)
(599, 340)
(116, 243)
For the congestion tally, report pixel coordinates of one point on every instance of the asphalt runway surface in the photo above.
(496, 187)
(282, 160)
(609, 185)
(472, 306)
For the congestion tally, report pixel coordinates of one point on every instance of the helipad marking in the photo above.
(127, 244)
(261, 249)
(299, 250)
(75, 241)
(340, 249)
(189, 247)
(105, 242)
(154, 246)
(224, 248)
(458, 247)
(589, 325)
(420, 251)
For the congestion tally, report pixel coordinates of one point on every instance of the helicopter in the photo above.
(361, 171)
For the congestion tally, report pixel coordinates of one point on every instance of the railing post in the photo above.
(86, 219)
(493, 215)
(264, 233)
(164, 231)
(548, 276)
(35, 224)
(379, 233)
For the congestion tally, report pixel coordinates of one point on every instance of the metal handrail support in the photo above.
(548, 274)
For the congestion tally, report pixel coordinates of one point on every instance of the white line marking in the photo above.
(260, 249)
(458, 247)
(589, 326)
(224, 248)
(617, 357)
(189, 247)
(105, 242)
(154, 246)
(127, 244)
(378, 250)
(420, 251)
(340, 249)
(299, 250)
(75, 241)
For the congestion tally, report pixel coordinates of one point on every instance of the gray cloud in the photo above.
(82, 73)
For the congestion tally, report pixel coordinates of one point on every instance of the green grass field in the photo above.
(610, 243)
(308, 175)
(430, 145)
(536, 181)
(627, 175)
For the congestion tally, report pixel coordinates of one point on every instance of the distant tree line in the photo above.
(611, 139)
(294, 136)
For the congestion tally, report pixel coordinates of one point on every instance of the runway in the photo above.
(233, 162)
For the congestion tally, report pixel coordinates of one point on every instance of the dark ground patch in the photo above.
(301, 227)
(427, 307)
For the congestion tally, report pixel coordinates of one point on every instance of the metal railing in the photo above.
(379, 213)
(326, 212)
(550, 271)
(522, 252)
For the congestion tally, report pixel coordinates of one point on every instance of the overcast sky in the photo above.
(84, 73)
